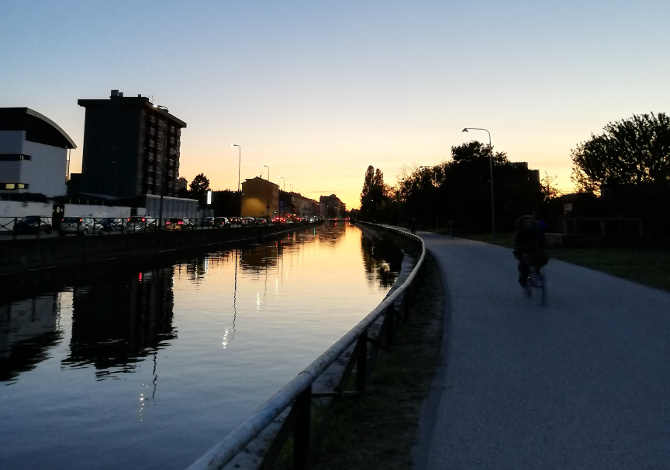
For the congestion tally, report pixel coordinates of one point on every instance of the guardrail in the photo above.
(294, 402)
(15, 226)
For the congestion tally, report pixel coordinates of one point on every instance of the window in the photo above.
(13, 186)
(13, 157)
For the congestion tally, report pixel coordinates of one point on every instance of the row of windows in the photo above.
(13, 157)
(13, 186)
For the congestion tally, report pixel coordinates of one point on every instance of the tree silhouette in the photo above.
(374, 196)
(199, 187)
(459, 191)
(634, 151)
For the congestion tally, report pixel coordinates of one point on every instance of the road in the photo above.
(582, 383)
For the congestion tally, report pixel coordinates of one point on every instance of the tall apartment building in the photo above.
(130, 146)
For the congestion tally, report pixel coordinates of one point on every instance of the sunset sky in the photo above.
(318, 90)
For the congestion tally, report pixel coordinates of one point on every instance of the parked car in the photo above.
(221, 222)
(207, 222)
(110, 224)
(79, 226)
(175, 223)
(136, 223)
(32, 224)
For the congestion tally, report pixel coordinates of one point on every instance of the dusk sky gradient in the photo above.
(319, 90)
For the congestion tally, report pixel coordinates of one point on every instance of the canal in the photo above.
(147, 366)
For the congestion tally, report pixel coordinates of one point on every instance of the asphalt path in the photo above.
(581, 383)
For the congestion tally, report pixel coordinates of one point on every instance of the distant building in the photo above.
(260, 198)
(182, 184)
(532, 175)
(130, 146)
(34, 153)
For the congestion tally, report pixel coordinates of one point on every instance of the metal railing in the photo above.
(12, 226)
(293, 403)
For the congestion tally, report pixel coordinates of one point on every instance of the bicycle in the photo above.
(536, 280)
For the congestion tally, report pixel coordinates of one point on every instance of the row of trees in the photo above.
(623, 172)
(456, 192)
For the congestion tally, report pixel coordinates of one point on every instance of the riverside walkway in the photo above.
(582, 383)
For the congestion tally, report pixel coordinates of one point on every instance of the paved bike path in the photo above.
(582, 383)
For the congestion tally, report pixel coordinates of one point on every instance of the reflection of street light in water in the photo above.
(144, 399)
(227, 340)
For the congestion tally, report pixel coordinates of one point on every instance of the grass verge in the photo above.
(378, 430)
(648, 266)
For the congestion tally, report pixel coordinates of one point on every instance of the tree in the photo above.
(635, 151)
(374, 195)
(475, 151)
(459, 191)
(549, 190)
(467, 185)
(199, 187)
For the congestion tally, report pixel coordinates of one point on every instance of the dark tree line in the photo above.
(625, 172)
(455, 192)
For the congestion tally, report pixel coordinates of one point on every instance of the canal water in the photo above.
(148, 366)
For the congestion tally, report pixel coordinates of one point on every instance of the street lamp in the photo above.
(269, 190)
(239, 164)
(493, 217)
(282, 178)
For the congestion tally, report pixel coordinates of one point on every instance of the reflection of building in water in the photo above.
(260, 257)
(28, 328)
(119, 321)
(197, 269)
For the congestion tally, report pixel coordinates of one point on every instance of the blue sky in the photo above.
(319, 90)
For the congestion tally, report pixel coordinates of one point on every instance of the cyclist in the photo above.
(450, 231)
(528, 240)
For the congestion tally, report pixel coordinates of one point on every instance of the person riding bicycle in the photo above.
(528, 240)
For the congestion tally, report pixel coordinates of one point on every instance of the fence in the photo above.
(354, 354)
(40, 226)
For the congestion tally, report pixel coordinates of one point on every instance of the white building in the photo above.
(33, 153)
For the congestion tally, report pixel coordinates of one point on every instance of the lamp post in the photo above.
(269, 190)
(239, 172)
(239, 164)
(162, 110)
(162, 181)
(282, 178)
(493, 217)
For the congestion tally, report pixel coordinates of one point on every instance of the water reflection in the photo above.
(122, 315)
(229, 328)
(28, 329)
(382, 260)
(116, 324)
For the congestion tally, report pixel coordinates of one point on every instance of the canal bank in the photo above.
(37, 254)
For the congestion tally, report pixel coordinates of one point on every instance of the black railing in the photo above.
(15, 226)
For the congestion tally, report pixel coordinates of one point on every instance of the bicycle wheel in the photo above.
(539, 283)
